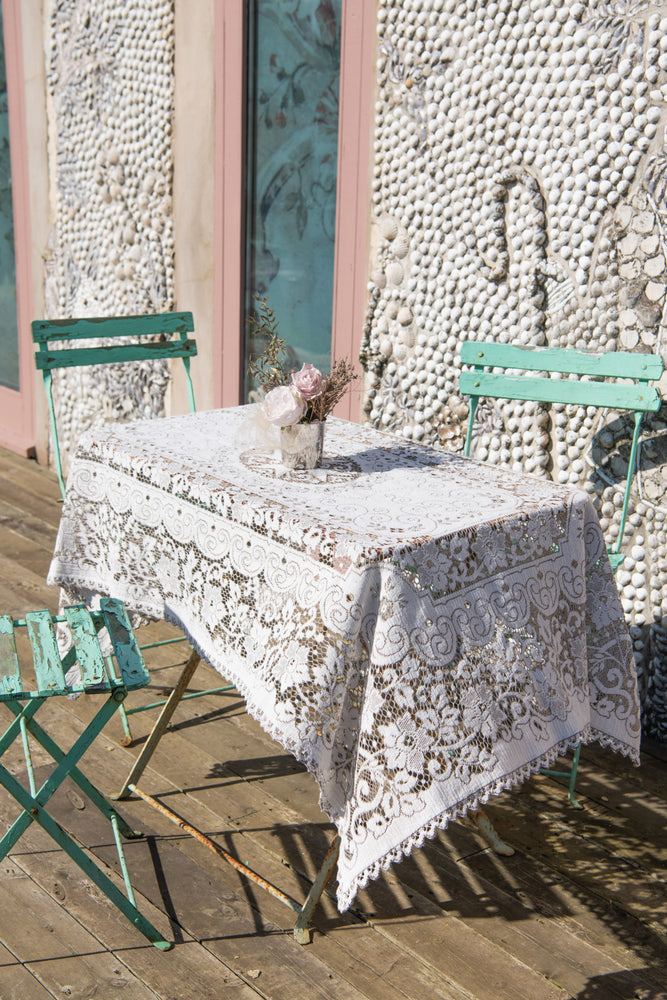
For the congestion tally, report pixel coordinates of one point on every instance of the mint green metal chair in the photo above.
(31, 672)
(56, 348)
(615, 380)
(172, 329)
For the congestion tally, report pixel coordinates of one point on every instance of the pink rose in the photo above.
(309, 382)
(284, 406)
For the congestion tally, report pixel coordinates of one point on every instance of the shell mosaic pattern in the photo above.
(519, 195)
(110, 102)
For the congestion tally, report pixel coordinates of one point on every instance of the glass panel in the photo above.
(292, 122)
(9, 341)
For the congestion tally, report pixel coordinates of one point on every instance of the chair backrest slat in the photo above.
(10, 669)
(106, 354)
(612, 364)
(615, 395)
(49, 673)
(128, 655)
(46, 330)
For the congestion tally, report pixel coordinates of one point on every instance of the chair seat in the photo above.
(84, 668)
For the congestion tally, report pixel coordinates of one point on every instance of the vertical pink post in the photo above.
(17, 419)
(229, 203)
(352, 197)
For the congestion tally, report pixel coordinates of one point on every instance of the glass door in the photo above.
(293, 74)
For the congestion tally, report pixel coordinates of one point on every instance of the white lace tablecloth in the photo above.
(420, 629)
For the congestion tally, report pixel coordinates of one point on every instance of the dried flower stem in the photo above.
(337, 382)
(268, 369)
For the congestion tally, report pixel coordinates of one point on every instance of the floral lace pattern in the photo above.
(421, 630)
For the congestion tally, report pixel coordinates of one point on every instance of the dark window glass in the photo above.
(292, 148)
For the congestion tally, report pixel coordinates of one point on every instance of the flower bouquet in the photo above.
(298, 402)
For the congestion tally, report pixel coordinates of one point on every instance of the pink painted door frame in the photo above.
(353, 201)
(17, 418)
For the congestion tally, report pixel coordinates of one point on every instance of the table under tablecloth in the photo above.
(419, 629)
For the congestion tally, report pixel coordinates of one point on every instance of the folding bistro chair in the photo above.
(45, 674)
(615, 380)
(169, 339)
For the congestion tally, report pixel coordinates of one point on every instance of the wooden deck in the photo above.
(578, 912)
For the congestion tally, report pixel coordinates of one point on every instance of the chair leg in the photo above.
(158, 729)
(302, 933)
(82, 781)
(126, 904)
(573, 778)
(571, 775)
(124, 713)
(126, 740)
(33, 805)
(65, 765)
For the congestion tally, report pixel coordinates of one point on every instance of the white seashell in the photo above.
(407, 336)
(388, 227)
(655, 291)
(395, 272)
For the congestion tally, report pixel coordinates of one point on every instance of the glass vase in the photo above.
(301, 445)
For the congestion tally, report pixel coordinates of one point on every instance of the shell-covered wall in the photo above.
(110, 97)
(520, 176)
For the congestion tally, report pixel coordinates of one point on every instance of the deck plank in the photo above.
(546, 953)
(25, 592)
(36, 506)
(58, 895)
(17, 983)
(558, 954)
(55, 948)
(189, 966)
(283, 831)
(606, 865)
(32, 477)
